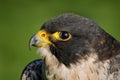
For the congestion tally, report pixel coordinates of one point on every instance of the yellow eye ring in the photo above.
(62, 36)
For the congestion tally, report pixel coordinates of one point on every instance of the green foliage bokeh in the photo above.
(19, 19)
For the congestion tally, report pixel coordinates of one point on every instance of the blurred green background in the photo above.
(19, 19)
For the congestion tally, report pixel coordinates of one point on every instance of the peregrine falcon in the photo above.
(73, 48)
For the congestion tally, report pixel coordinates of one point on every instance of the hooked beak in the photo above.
(40, 39)
(33, 41)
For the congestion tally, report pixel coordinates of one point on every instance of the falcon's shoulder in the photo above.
(34, 71)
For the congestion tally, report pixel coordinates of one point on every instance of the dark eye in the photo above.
(64, 35)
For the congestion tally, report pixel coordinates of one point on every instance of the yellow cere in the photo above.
(44, 37)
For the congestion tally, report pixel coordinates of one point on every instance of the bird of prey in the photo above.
(73, 48)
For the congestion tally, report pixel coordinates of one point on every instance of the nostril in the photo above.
(43, 35)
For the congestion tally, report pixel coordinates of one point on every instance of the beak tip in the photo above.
(30, 46)
(31, 42)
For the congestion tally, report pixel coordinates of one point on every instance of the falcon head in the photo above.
(72, 38)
